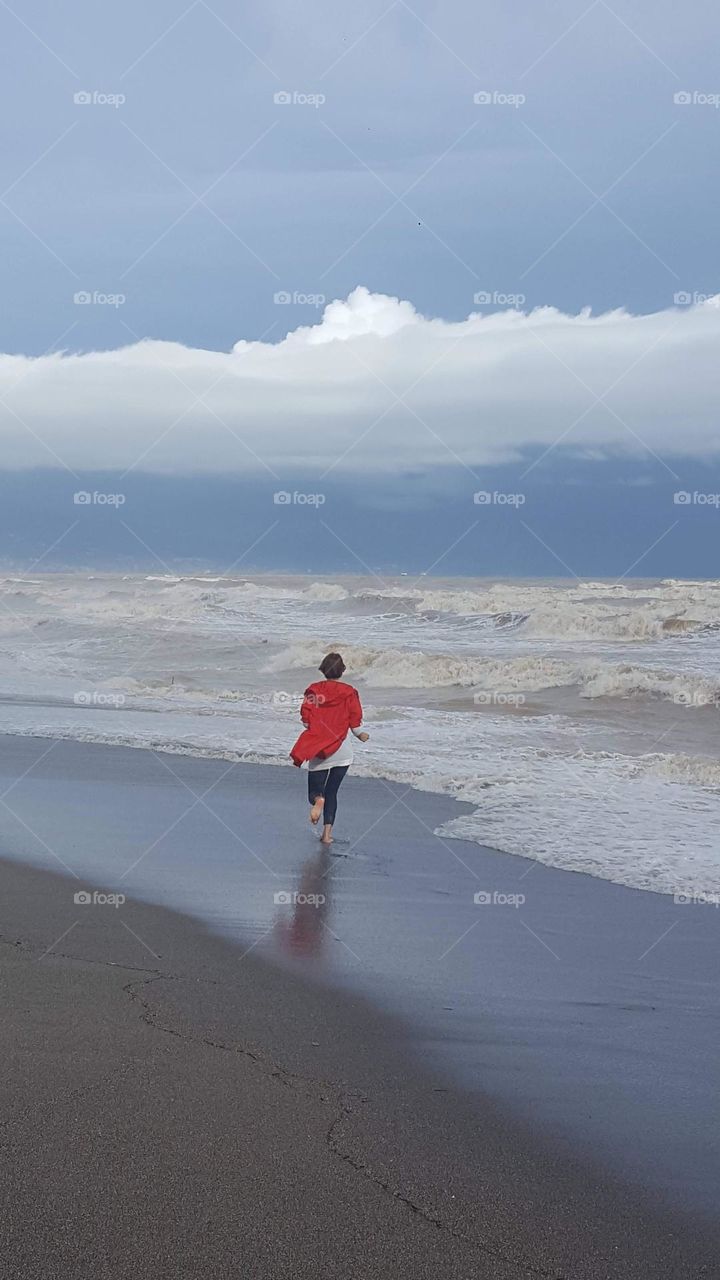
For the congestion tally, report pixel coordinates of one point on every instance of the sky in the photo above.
(395, 256)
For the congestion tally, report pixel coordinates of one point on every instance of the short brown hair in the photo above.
(332, 666)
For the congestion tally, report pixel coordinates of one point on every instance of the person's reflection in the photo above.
(300, 927)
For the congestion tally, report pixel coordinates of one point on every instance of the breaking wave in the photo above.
(198, 662)
(414, 669)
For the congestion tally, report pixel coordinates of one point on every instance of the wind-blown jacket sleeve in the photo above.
(355, 712)
(309, 704)
(304, 747)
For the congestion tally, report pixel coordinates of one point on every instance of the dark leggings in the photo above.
(326, 782)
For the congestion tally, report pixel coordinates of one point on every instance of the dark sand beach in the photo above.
(245, 1086)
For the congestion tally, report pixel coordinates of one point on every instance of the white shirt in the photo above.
(343, 755)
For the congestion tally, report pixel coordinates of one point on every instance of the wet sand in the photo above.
(198, 1113)
(190, 1101)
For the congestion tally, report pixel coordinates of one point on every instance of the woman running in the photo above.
(330, 711)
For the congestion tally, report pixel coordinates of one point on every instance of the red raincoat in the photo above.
(330, 709)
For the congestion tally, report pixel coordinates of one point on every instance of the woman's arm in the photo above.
(355, 711)
(355, 717)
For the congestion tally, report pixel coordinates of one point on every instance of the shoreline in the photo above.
(188, 1112)
(459, 824)
(622, 681)
(560, 1007)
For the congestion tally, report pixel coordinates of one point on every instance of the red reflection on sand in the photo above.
(300, 928)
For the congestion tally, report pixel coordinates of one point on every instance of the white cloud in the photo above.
(479, 390)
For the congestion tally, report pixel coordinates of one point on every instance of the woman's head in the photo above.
(332, 666)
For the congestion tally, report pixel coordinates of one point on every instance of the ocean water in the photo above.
(579, 719)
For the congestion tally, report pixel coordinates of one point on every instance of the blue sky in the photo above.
(149, 167)
(295, 189)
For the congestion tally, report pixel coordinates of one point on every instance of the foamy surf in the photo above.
(414, 669)
(590, 611)
(578, 720)
(537, 787)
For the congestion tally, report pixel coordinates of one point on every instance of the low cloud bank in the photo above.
(375, 386)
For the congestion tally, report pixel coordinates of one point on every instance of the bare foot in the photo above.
(316, 810)
(326, 837)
